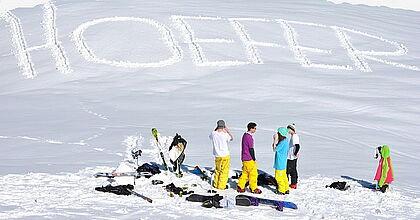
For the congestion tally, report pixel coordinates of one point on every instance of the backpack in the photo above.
(338, 185)
(266, 179)
(152, 168)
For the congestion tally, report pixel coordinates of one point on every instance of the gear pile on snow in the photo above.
(177, 190)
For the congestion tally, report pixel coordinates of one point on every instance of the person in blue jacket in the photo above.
(281, 149)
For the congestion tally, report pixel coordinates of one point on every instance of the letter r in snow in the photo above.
(359, 57)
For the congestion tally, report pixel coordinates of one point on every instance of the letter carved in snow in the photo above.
(22, 51)
(89, 54)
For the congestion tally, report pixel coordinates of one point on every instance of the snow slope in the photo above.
(80, 80)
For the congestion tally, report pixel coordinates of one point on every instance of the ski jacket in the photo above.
(384, 173)
(280, 159)
(247, 145)
(294, 144)
(219, 141)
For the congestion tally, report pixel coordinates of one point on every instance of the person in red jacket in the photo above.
(384, 173)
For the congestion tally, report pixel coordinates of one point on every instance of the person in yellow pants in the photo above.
(281, 148)
(249, 164)
(219, 138)
(222, 172)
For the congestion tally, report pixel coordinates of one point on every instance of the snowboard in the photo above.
(201, 173)
(285, 204)
(176, 153)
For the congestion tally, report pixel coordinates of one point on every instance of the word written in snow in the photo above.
(360, 58)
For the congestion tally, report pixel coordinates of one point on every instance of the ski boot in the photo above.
(256, 191)
(239, 190)
(384, 188)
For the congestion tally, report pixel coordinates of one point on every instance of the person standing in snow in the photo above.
(220, 138)
(384, 173)
(249, 163)
(281, 148)
(292, 156)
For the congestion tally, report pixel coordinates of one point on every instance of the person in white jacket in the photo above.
(294, 147)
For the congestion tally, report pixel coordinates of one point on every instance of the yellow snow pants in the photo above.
(222, 172)
(249, 171)
(282, 181)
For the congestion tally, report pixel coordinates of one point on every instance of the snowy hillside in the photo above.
(82, 83)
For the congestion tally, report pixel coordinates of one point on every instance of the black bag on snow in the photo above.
(119, 190)
(146, 167)
(266, 179)
(338, 185)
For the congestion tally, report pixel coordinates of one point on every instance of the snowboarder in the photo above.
(292, 156)
(249, 163)
(384, 173)
(281, 147)
(220, 138)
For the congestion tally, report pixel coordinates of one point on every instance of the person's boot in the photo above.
(384, 188)
(239, 190)
(280, 193)
(293, 186)
(256, 191)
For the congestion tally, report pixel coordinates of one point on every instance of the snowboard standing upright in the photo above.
(176, 153)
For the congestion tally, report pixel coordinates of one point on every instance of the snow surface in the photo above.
(401, 4)
(83, 82)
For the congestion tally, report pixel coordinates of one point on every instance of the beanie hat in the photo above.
(292, 127)
(283, 131)
(221, 124)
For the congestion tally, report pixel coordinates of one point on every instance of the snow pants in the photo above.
(282, 181)
(292, 171)
(249, 171)
(222, 172)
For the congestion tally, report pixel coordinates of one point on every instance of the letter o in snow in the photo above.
(166, 33)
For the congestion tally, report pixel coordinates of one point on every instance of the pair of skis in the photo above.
(120, 174)
(155, 135)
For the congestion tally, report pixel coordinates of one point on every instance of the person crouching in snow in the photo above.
(384, 173)
(219, 138)
(281, 148)
(249, 163)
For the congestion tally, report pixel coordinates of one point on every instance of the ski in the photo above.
(141, 196)
(116, 174)
(155, 135)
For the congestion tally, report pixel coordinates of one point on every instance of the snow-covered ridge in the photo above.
(8, 5)
(400, 4)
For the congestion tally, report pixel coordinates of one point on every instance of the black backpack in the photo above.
(338, 185)
(152, 168)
